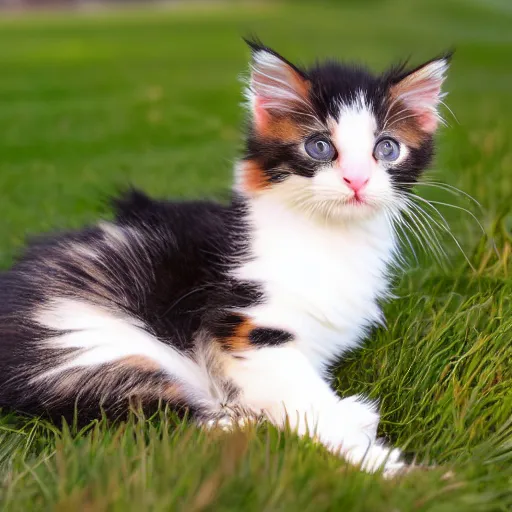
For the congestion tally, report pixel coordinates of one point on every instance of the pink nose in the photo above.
(356, 183)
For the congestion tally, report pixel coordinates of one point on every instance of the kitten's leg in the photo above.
(281, 383)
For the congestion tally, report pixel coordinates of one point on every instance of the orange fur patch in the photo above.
(405, 125)
(239, 339)
(300, 85)
(282, 128)
(134, 378)
(253, 176)
(140, 363)
(167, 393)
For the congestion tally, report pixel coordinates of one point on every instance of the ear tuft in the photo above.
(275, 84)
(420, 91)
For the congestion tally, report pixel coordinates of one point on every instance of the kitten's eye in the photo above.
(320, 148)
(387, 150)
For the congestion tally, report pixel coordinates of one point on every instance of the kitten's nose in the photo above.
(356, 183)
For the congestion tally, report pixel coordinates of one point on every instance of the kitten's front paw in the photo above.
(375, 457)
(362, 416)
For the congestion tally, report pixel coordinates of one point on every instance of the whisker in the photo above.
(396, 222)
(449, 110)
(452, 189)
(392, 117)
(431, 231)
(401, 119)
(430, 235)
(448, 188)
(469, 212)
(449, 205)
(428, 203)
(392, 104)
(447, 230)
(426, 236)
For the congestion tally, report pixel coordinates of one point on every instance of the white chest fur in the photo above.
(321, 283)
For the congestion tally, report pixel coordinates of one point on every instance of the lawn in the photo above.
(92, 101)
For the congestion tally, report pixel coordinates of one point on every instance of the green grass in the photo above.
(89, 102)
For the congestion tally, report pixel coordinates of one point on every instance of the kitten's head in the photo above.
(336, 141)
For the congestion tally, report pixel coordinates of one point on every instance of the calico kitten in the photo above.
(235, 311)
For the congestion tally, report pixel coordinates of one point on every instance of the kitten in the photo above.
(236, 311)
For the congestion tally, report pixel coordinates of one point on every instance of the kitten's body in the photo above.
(322, 281)
(233, 311)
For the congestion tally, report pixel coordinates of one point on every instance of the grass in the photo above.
(91, 101)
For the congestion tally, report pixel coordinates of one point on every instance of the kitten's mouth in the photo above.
(356, 200)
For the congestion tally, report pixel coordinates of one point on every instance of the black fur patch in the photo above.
(226, 326)
(269, 337)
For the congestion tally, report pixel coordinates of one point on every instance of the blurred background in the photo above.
(95, 95)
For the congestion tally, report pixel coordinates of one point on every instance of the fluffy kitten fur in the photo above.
(235, 311)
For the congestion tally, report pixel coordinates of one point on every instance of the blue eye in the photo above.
(320, 148)
(387, 150)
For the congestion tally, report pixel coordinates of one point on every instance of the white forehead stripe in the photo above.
(354, 131)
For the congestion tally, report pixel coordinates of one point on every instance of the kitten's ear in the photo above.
(420, 91)
(274, 85)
